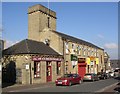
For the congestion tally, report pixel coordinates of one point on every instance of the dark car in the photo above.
(69, 79)
(91, 77)
(102, 75)
(117, 73)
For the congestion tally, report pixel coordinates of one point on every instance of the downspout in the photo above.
(64, 57)
(28, 62)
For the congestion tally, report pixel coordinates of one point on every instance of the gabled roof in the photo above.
(73, 39)
(106, 55)
(29, 47)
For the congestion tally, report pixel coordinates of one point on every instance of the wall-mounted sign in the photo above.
(91, 63)
(81, 60)
(97, 61)
(74, 57)
(46, 59)
(74, 63)
(27, 66)
(88, 61)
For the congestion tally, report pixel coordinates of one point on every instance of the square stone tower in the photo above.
(39, 18)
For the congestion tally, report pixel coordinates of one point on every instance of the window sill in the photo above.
(37, 77)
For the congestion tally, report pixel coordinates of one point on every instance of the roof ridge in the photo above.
(78, 39)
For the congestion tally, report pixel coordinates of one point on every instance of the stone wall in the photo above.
(38, 20)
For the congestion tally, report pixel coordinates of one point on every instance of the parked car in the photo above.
(69, 79)
(116, 73)
(111, 74)
(90, 77)
(102, 75)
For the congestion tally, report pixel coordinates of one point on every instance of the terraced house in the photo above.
(48, 54)
(79, 56)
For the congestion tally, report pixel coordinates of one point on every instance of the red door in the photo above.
(81, 70)
(49, 72)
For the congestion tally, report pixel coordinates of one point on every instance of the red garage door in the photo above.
(81, 70)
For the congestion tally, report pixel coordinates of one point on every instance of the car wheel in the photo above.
(70, 83)
(104, 78)
(98, 79)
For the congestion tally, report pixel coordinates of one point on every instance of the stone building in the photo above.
(79, 56)
(107, 61)
(30, 62)
(115, 64)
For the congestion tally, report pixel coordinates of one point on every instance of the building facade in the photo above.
(30, 62)
(79, 56)
(107, 61)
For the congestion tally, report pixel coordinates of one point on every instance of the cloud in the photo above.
(9, 43)
(111, 46)
(100, 36)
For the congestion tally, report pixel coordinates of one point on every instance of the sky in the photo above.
(95, 22)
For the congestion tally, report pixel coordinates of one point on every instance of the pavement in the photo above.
(8, 87)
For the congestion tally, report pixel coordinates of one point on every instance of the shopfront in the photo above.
(92, 64)
(52, 65)
(81, 66)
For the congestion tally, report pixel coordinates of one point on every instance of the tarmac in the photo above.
(114, 88)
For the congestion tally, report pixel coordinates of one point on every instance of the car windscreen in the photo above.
(87, 74)
(116, 71)
(67, 75)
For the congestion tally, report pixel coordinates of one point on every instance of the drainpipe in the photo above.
(64, 70)
(30, 74)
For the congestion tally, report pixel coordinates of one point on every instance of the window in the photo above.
(58, 66)
(72, 46)
(84, 53)
(79, 48)
(88, 52)
(66, 47)
(36, 69)
(47, 42)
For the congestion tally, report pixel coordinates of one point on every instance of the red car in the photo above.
(69, 79)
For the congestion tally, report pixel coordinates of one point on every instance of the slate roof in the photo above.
(29, 47)
(77, 40)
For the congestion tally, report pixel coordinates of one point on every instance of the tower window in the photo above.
(48, 22)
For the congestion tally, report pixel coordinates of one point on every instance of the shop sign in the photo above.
(97, 61)
(91, 63)
(45, 59)
(74, 58)
(27, 66)
(88, 61)
(92, 58)
(81, 60)
(74, 63)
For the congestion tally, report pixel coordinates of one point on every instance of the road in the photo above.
(84, 87)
